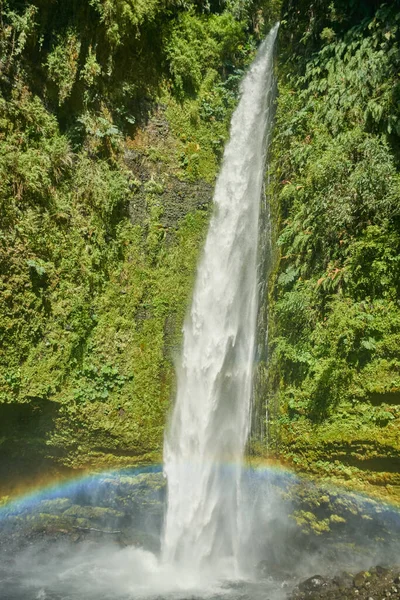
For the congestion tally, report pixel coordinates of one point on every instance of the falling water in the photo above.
(210, 421)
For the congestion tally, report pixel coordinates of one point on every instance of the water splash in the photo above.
(211, 417)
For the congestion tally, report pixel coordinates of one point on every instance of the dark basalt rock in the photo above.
(313, 583)
(343, 581)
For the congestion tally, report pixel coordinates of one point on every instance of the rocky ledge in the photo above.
(379, 583)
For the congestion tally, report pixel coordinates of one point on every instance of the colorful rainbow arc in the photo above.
(89, 482)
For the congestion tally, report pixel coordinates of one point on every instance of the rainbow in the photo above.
(86, 484)
(66, 488)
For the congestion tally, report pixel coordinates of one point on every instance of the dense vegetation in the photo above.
(334, 375)
(113, 116)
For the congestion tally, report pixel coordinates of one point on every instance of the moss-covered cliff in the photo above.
(333, 380)
(113, 120)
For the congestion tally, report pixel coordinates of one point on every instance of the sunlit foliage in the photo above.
(335, 312)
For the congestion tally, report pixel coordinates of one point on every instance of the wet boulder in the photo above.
(313, 584)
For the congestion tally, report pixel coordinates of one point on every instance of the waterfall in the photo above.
(205, 442)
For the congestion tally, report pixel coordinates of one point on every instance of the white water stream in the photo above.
(206, 439)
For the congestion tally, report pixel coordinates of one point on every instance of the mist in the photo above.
(99, 539)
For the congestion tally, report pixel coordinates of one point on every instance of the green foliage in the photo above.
(360, 73)
(334, 295)
(15, 29)
(107, 59)
(62, 64)
(85, 295)
(97, 384)
(92, 298)
(100, 232)
(306, 23)
(198, 44)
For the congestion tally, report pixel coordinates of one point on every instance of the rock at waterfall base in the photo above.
(379, 583)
